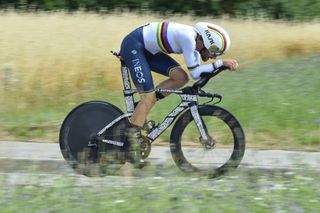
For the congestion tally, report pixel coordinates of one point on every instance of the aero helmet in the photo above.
(215, 38)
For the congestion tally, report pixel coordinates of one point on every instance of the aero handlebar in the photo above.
(205, 77)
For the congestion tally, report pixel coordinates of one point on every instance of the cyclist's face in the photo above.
(205, 54)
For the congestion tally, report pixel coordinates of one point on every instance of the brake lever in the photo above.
(218, 97)
(213, 96)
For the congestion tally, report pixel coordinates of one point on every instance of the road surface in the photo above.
(48, 157)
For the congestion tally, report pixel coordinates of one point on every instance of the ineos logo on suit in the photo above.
(138, 70)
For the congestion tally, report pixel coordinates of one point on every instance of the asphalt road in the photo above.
(47, 156)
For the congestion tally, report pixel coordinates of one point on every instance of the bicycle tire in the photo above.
(79, 126)
(213, 169)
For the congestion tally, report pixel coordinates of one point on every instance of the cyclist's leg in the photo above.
(133, 53)
(135, 60)
(165, 65)
(177, 78)
(147, 101)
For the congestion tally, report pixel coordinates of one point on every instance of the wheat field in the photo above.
(50, 58)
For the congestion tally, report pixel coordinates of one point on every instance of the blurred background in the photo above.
(55, 54)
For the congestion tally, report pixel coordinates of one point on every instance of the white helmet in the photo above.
(215, 38)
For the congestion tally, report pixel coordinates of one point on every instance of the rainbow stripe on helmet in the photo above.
(222, 36)
(162, 37)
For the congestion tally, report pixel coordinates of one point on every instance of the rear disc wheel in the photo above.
(87, 155)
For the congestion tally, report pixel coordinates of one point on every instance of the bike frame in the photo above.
(187, 101)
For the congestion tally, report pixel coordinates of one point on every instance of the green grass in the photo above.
(279, 99)
(275, 95)
(277, 103)
(241, 191)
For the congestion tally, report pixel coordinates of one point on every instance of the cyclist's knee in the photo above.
(179, 75)
(184, 78)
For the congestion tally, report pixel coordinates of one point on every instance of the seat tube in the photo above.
(125, 76)
(199, 122)
(127, 88)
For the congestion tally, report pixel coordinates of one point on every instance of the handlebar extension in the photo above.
(205, 77)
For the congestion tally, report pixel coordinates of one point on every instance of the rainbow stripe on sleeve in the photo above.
(162, 37)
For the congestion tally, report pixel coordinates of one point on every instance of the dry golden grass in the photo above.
(46, 58)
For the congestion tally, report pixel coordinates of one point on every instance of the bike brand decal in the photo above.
(189, 97)
(129, 104)
(125, 75)
(176, 111)
(208, 34)
(231, 122)
(184, 104)
(138, 70)
(169, 91)
(117, 143)
(222, 116)
(239, 133)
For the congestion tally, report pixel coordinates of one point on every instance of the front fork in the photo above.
(206, 140)
(199, 122)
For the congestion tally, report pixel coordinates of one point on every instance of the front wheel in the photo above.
(223, 150)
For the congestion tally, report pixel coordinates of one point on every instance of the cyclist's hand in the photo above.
(231, 63)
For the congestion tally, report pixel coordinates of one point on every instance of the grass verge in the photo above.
(242, 191)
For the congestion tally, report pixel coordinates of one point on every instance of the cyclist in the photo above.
(146, 49)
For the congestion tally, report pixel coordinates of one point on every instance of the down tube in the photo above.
(168, 121)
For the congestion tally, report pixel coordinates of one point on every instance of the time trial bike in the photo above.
(205, 139)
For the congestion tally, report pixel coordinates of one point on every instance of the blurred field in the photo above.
(58, 58)
(51, 62)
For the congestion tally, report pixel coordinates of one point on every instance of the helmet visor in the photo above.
(214, 51)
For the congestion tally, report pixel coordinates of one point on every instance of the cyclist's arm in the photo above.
(192, 59)
(196, 72)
